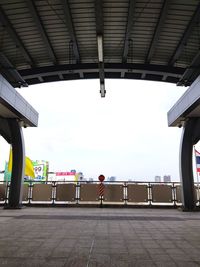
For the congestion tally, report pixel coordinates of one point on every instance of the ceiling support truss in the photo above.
(99, 33)
(158, 30)
(40, 26)
(130, 21)
(186, 35)
(70, 26)
(192, 72)
(111, 70)
(16, 39)
(10, 73)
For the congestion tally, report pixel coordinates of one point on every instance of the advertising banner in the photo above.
(41, 170)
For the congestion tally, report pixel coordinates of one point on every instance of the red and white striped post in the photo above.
(101, 188)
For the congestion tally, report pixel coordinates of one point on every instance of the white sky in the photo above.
(124, 134)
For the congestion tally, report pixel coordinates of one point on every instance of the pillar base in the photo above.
(9, 207)
(189, 210)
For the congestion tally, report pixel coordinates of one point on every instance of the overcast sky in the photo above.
(124, 134)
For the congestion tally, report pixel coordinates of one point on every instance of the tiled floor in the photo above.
(93, 237)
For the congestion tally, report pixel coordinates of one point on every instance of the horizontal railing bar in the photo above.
(123, 200)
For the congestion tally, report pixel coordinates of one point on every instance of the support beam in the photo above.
(158, 30)
(92, 67)
(5, 129)
(192, 72)
(186, 35)
(5, 21)
(190, 136)
(12, 75)
(91, 70)
(186, 113)
(40, 26)
(99, 16)
(69, 24)
(122, 74)
(101, 65)
(40, 79)
(13, 105)
(100, 48)
(99, 33)
(102, 79)
(15, 192)
(129, 26)
(102, 90)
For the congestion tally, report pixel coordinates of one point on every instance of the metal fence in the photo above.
(115, 193)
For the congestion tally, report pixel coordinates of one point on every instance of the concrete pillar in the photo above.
(17, 141)
(190, 136)
(186, 172)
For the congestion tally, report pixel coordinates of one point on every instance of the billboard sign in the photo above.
(40, 169)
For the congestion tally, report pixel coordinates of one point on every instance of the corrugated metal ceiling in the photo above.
(50, 40)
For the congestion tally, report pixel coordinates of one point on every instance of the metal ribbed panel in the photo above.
(145, 20)
(178, 17)
(52, 16)
(191, 48)
(83, 16)
(151, 34)
(115, 21)
(29, 35)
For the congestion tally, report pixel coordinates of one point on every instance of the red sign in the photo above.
(101, 178)
(64, 173)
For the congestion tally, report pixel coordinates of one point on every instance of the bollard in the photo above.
(101, 188)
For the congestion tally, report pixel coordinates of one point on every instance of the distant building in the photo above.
(111, 179)
(158, 179)
(167, 178)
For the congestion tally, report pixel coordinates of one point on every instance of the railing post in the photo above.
(150, 193)
(78, 189)
(173, 194)
(53, 192)
(125, 193)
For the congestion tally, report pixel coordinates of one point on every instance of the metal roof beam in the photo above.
(10, 72)
(99, 16)
(195, 18)
(109, 67)
(70, 26)
(128, 29)
(192, 72)
(110, 70)
(40, 26)
(158, 30)
(5, 21)
(102, 79)
(99, 33)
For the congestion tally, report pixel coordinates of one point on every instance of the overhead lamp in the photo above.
(100, 47)
(102, 90)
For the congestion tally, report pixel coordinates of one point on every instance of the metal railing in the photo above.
(123, 193)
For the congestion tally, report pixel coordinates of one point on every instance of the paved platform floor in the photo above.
(92, 237)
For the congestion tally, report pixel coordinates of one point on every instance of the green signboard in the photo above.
(41, 168)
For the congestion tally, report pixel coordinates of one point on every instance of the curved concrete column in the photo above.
(5, 129)
(17, 141)
(190, 136)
